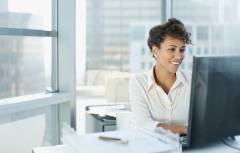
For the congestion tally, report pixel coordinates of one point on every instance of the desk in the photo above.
(52, 149)
(220, 148)
(146, 146)
(138, 142)
(214, 148)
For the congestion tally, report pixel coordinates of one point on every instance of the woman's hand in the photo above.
(174, 128)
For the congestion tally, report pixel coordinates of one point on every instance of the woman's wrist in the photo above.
(174, 128)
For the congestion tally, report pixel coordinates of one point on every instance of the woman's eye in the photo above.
(172, 49)
(182, 50)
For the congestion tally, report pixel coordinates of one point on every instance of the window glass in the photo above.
(116, 35)
(26, 14)
(25, 65)
(213, 26)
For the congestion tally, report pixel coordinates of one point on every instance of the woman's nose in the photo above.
(179, 55)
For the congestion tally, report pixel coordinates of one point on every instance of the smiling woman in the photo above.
(160, 97)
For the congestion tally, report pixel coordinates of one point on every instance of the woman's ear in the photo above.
(155, 51)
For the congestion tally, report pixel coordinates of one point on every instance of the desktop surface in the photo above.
(217, 147)
(91, 141)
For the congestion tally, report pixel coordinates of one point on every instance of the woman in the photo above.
(160, 97)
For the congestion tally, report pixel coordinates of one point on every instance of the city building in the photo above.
(17, 74)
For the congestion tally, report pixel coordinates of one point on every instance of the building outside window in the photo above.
(115, 33)
(213, 26)
(26, 46)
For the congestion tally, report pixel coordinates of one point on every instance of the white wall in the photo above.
(21, 131)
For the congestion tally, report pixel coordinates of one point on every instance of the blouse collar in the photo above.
(181, 79)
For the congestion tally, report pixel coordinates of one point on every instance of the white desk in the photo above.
(220, 148)
(215, 148)
(136, 145)
(52, 149)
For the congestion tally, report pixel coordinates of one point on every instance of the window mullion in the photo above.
(27, 32)
(167, 9)
(54, 67)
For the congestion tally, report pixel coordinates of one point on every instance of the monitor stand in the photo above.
(233, 142)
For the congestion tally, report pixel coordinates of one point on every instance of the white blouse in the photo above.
(151, 105)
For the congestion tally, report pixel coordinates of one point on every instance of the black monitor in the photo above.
(215, 100)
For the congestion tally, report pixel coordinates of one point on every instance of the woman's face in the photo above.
(170, 54)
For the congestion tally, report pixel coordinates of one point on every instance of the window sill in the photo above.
(22, 103)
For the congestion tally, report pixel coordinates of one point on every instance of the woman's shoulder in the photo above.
(140, 77)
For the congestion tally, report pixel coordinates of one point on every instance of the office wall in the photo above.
(21, 131)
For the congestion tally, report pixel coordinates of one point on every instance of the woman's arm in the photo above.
(174, 128)
(139, 107)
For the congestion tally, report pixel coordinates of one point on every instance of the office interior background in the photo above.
(57, 56)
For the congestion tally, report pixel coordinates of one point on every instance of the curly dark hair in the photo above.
(173, 28)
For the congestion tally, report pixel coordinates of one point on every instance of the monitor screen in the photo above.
(215, 99)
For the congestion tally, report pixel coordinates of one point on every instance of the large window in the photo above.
(27, 46)
(116, 32)
(37, 50)
(214, 26)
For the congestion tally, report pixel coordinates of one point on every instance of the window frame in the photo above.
(62, 90)
(8, 31)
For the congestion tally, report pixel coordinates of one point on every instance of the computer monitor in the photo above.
(215, 100)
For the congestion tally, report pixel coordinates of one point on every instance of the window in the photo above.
(33, 60)
(213, 26)
(26, 14)
(27, 43)
(116, 33)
